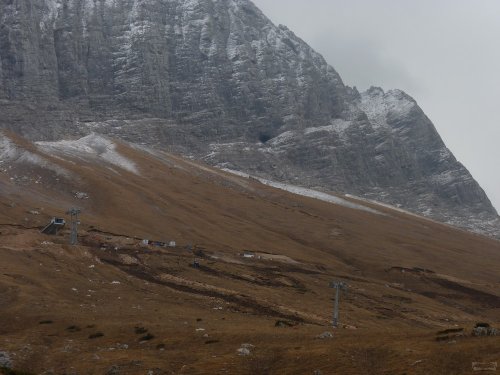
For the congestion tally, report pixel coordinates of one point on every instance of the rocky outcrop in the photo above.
(215, 79)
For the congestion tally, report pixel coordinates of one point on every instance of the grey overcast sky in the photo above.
(444, 53)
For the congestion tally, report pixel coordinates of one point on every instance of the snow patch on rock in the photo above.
(282, 138)
(378, 105)
(446, 177)
(337, 126)
(50, 12)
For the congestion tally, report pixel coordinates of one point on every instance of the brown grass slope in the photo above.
(69, 310)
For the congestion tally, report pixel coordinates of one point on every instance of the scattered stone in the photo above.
(325, 335)
(244, 351)
(115, 282)
(347, 326)
(155, 371)
(247, 346)
(484, 366)
(81, 195)
(485, 331)
(127, 259)
(5, 360)
(113, 370)
(67, 348)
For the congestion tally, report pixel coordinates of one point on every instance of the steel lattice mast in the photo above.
(74, 212)
(338, 285)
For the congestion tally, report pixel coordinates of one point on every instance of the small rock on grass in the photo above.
(113, 370)
(325, 335)
(243, 351)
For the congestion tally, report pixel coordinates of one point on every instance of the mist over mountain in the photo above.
(217, 80)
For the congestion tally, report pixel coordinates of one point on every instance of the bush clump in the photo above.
(96, 335)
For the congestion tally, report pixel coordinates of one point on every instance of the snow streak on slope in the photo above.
(10, 153)
(92, 145)
(308, 193)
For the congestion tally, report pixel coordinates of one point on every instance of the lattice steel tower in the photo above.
(338, 285)
(74, 212)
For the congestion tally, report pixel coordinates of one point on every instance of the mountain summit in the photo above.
(217, 80)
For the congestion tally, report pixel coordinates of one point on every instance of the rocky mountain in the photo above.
(216, 80)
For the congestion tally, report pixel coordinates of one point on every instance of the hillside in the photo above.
(217, 80)
(89, 308)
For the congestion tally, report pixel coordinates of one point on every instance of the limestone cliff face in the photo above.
(203, 62)
(215, 79)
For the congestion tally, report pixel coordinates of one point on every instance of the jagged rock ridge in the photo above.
(217, 80)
